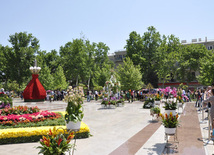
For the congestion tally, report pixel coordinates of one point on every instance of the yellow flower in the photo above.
(33, 131)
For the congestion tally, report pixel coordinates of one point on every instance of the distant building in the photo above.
(118, 56)
(209, 44)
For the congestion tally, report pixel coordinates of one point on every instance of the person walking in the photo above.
(96, 95)
(128, 96)
(188, 95)
(198, 96)
(211, 100)
(132, 95)
(88, 96)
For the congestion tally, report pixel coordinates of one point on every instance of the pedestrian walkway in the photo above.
(127, 130)
(189, 133)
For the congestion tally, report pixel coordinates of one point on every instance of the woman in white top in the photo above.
(211, 100)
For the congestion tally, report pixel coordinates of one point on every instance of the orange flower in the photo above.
(71, 136)
(50, 132)
(46, 141)
(59, 141)
(44, 138)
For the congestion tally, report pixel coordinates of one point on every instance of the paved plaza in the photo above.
(127, 130)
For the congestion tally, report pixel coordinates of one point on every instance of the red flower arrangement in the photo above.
(55, 143)
(14, 119)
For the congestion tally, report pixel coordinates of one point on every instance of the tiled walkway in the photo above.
(127, 130)
(189, 133)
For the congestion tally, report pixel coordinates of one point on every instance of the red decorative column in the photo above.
(34, 91)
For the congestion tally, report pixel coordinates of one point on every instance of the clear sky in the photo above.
(55, 22)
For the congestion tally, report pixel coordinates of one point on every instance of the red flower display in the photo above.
(34, 90)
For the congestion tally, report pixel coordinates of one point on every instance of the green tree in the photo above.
(60, 79)
(74, 60)
(50, 59)
(21, 56)
(101, 54)
(90, 54)
(81, 59)
(129, 75)
(166, 58)
(189, 61)
(46, 78)
(142, 52)
(206, 76)
(2, 64)
(102, 66)
(102, 74)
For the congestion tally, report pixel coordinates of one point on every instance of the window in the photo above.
(210, 47)
(193, 75)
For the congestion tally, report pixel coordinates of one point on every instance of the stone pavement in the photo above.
(125, 130)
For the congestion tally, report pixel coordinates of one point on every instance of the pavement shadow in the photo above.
(160, 148)
(105, 108)
(154, 121)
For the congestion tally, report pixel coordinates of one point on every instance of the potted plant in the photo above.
(120, 101)
(104, 103)
(170, 106)
(170, 122)
(55, 143)
(149, 102)
(180, 100)
(74, 111)
(155, 111)
(113, 102)
(157, 99)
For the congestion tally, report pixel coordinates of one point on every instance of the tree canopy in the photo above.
(142, 50)
(129, 75)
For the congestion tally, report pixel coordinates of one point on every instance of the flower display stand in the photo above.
(180, 105)
(65, 131)
(103, 106)
(119, 104)
(171, 143)
(111, 106)
(157, 103)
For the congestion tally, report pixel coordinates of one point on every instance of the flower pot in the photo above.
(73, 126)
(103, 105)
(111, 106)
(180, 104)
(168, 112)
(119, 104)
(157, 103)
(170, 131)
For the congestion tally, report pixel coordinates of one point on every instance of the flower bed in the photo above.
(23, 135)
(23, 115)
(19, 110)
(27, 133)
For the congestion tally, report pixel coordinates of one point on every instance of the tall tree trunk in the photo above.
(163, 83)
(77, 80)
(89, 79)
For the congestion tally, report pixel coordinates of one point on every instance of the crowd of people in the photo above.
(205, 98)
(55, 95)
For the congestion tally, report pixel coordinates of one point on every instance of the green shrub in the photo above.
(36, 138)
